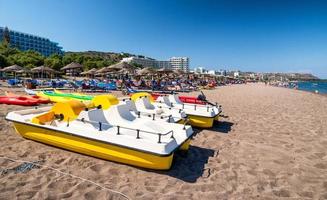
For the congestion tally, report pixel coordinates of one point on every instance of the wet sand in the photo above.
(271, 143)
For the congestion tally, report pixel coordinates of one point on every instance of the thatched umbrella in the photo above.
(121, 65)
(103, 70)
(146, 71)
(90, 72)
(23, 71)
(126, 71)
(164, 71)
(42, 69)
(73, 68)
(12, 68)
(178, 71)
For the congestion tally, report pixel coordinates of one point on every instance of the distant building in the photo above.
(212, 72)
(147, 62)
(222, 72)
(163, 64)
(180, 63)
(236, 74)
(25, 41)
(199, 70)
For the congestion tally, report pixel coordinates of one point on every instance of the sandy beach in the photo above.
(271, 143)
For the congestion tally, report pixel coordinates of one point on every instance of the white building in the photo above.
(147, 62)
(181, 63)
(163, 64)
(199, 70)
(222, 72)
(211, 72)
(236, 74)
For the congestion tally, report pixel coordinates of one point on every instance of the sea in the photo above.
(321, 87)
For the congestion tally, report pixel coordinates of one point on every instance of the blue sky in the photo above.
(262, 36)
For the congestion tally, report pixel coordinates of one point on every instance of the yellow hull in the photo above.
(201, 122)
(95, 148)
(217, 118)
(186, 145)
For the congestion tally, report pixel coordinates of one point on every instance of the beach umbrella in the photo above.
(43, 69)
(24, 70)
(73, 68)
(178, 71)
(12, 68)
(103, 70)
(121, 65)
(126, 71)
(146, 71)
(164, 71)
(90, 72)
(72, 65)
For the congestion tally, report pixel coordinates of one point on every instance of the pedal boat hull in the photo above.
(99, 149)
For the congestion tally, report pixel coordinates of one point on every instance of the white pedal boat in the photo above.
(201, 116)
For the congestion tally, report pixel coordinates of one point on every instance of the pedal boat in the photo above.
(143, 106)
(112, 134)
(201, 116)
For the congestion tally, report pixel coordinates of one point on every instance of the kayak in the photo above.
(54, 99)
(21, 101)
(101, 101)
(40, 100)
(73, 96)
(30, 92)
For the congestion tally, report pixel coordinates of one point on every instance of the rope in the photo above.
(66, 174)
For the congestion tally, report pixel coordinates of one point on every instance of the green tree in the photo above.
(26, 57)
(54, 61)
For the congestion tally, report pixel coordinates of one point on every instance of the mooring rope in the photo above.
(66, 174)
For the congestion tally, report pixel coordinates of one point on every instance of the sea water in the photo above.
(321, 87)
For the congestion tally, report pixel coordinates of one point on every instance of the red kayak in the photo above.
(21, 101)
(184, 99)
(39, 100)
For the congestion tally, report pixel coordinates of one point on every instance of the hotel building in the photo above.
(147, 62)
(25, 41)
(180, 63)
(174, 63)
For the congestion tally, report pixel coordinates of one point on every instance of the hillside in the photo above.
(112, 56)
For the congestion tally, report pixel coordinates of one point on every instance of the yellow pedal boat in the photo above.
(112, 134)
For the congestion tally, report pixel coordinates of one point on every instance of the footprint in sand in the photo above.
(320, 154)
(282, 193)
(306, 194)
(91, 195)
(268, 172)
(321, 165)
(60, 161)
(96, 167)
